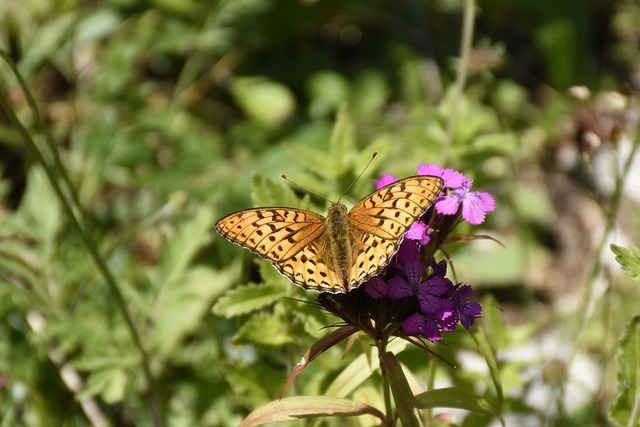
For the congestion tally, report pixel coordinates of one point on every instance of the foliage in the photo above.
(119, 304)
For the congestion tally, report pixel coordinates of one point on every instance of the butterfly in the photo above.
(337, 253)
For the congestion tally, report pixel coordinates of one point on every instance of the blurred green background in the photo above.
(168, 114)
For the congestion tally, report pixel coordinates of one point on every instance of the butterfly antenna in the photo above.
(373, 156)
(306, 190)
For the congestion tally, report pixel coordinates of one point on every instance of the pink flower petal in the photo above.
(385, 180)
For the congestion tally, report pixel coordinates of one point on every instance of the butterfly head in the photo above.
(337, 219)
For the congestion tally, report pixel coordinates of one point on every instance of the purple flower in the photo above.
(467, 311)
(427, 292)
(409, 250)
(419, 324)
(448, 319)
(376, 287)
(399, 287)
(429, 296)
(418, 232)
(385, 180)
(452, 178)
(475, 204)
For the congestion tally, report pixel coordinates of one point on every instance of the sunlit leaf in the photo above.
(316, 350)
(454, 397)
(182, 305)
(629, 259)
(264, 329)
(291, 408)
(265, 101)
(624, 410)
(247, 298)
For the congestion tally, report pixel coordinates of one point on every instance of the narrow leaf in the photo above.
(316, 350)
(360, 369)
(456, 398)
(343, 138)
(402, 395)
(489, 356)
(291, 408)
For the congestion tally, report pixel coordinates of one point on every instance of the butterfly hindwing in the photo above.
(373, 255)
(311, 269)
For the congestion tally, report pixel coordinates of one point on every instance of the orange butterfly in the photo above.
(339, 252)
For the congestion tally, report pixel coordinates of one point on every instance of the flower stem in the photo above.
(381, 344)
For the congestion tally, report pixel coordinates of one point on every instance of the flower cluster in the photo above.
(412, 296)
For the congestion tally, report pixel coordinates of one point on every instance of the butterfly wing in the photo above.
(275, 234)
(310, 268)
(293, 239)
(379, 222)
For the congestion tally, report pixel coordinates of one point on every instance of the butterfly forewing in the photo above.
(273, 233)
(298, 244)
(390, 211)
(380, 221)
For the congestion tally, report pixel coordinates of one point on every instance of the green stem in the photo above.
(86, 239)
(461, 74)
(386, 388)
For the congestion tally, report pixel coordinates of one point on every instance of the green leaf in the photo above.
(252, 383)
(265, 101)
(531, 202)
(343, 138)
(40, 209)
(248, 298)
(454, 397)
(360, 369)
(402, 395)
(625, 409)
(51, 35)
(182, 305)
(267, 192)
(494, 323)
(111, 384)
(319, 347)
(189, 240)
(327, 91)
(629, 260)
(292, 408)
(320, 162)
(493, 144)
(265, 329)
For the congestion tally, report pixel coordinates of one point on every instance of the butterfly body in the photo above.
(343, 250)
(339, 241)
